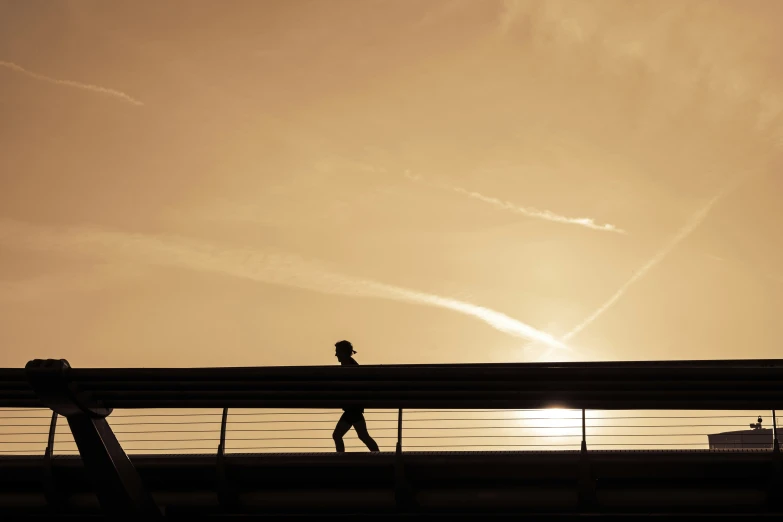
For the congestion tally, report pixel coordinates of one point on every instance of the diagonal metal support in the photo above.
(117, 484)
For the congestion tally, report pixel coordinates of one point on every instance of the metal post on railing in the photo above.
(399, 431)
(226, 494)
(52, 430)
(54, 497)
(586, 482)
(402, 491)
(584, 431)
(774, 489)
(223, 422)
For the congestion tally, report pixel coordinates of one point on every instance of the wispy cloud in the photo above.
(646, 41)
(69, 83)
(535, 213)
(254, 265)
(530, 212)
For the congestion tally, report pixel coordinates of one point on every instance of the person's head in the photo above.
(343, 350)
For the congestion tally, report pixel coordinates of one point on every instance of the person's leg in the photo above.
(360, 426)
(343, 425)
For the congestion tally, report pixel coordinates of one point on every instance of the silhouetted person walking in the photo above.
(353, 416)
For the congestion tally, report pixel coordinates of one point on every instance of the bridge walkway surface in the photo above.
(542, 482)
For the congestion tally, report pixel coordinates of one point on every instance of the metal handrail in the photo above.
(702, 385)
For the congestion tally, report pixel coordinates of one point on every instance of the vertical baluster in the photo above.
(223, 422)
(53, 495)
(226, 493)
(586, 482)
(402, 490)
(52, 429)
(584, 431)
(399, 431)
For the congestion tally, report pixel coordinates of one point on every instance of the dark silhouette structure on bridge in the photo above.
(754, 438)
(563, 482)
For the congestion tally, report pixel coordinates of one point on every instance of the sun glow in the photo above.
(556, 425)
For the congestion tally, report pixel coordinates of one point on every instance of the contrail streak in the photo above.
(272, 268)
(69, 83)
(531, 212)
(684, 232)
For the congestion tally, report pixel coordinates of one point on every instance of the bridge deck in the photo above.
(532, 481)
(566, 482)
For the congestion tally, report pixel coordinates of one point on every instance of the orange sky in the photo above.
(245, 183)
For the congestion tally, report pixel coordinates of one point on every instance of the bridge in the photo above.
(563, 440)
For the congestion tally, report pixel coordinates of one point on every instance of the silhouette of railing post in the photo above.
(399, 431)
(53, 496)
(225, 493)
(402, 492)
(50, 440)
(775, 484)
(223, 422)
(586, 482)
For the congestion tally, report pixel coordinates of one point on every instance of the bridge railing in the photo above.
(480, 406)
(27, 431)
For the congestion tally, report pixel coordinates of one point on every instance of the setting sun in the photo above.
(558, 422)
